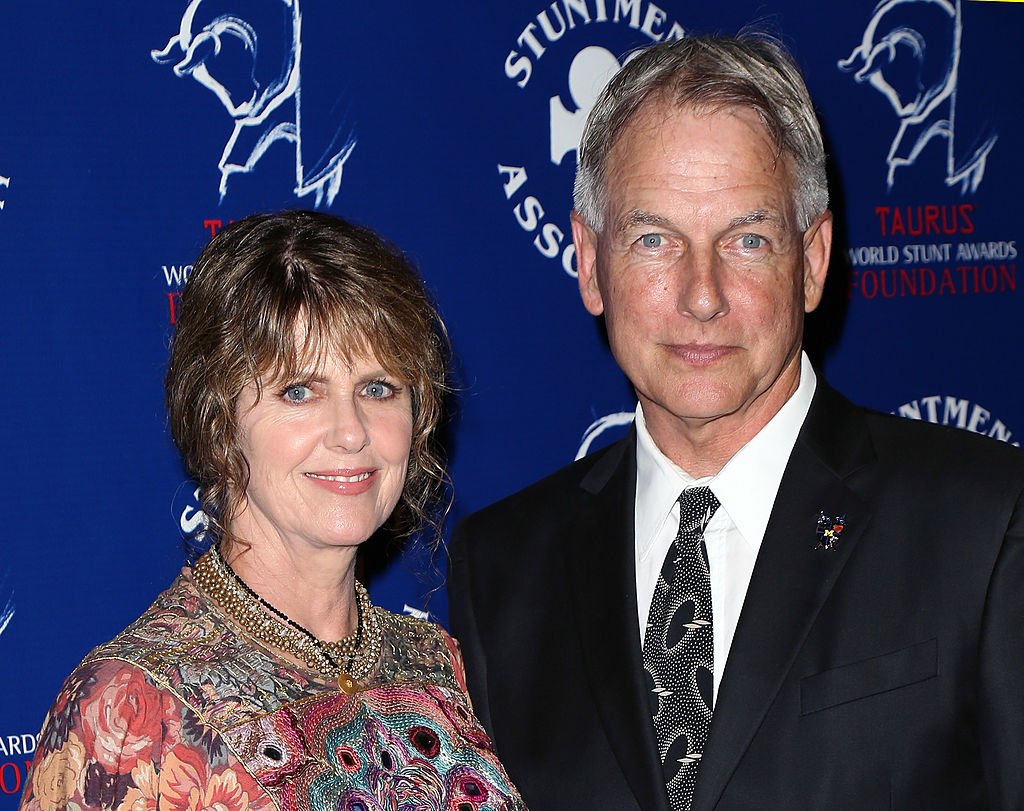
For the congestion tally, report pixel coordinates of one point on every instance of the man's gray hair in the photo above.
(709, 74)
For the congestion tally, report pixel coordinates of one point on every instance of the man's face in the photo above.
(700, 270)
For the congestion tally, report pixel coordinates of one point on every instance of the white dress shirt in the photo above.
(746, 488)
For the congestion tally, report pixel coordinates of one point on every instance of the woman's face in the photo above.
(328, 453)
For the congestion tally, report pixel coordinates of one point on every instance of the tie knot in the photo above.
(696, 506)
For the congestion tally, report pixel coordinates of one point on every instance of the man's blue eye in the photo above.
(751, 241)
(651, 240)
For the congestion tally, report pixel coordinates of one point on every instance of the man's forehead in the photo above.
(666, 140)
(660, 114)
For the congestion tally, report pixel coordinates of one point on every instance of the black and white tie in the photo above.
(679, 649)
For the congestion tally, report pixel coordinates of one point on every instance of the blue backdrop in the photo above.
(131, 132)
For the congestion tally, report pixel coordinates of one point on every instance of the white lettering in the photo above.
(654, 17)
(549, 240)
(550, 34)
(979, 416)
(956, 409)
(569, 261)
(580, 7)
(176, 275)
(516, 178)
(630, 6)
(193, 521)
(957, 412)
(926, 253)
(6, 183)
(529, 213)
(1000, 432)
(932, 406)
(911, 410)
(874, 255)
(419, 613)
(987, 250)
(516, 65)
(550, 25)
(676, 32)
(527, 38)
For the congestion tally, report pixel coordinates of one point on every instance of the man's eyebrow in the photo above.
(639, 217)
(754, 217)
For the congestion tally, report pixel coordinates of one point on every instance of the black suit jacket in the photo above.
(885, 673)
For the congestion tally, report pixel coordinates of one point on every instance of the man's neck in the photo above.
(703, 446)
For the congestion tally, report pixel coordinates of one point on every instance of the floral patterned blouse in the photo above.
(181, 712)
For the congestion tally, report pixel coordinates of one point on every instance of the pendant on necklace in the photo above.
(347, 684)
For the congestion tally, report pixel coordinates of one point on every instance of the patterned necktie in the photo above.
(678, 649)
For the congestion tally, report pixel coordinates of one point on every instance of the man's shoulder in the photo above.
(929, 452)
(549, 500)
(900, 441)
(915, 442)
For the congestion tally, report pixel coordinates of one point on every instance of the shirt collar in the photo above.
(746, 486)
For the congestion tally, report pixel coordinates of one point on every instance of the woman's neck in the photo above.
(313, 587)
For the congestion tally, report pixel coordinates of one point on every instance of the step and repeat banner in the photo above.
(131, 133)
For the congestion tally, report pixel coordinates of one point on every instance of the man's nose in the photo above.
(701, 291)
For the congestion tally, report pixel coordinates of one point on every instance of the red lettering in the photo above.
(988, 272)
(927, 274)
(172, 301)
(886, 293)
(882, 212)
(929, 219)
(965, 213)
(908, 281)
(873, 276)
(214, 226)
(963, 277)
(6, 781)
(915, 232)
(947, 282)
(897, 223)
(1008, 277)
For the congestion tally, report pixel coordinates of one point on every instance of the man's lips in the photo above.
(345, 482)
(700, 354)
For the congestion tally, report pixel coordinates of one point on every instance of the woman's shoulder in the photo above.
(92, 704)
(184, 645)
(415, 649)
(158, 628)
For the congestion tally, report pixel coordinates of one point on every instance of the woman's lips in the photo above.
(344, 482)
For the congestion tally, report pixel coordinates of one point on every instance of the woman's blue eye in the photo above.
(651, 240)
(296, 394)
(751, 241)
(378, 389)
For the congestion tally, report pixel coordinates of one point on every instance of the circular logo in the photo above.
(556, 67)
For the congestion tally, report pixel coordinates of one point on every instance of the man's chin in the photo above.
(693, 411)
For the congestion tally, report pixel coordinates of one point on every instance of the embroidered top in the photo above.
(181, 711)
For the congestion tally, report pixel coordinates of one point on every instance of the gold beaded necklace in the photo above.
(349, 660)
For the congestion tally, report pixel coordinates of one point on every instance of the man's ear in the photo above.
(585, 240)
(817, 249)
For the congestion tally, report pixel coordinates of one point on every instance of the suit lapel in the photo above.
(603, 584)
(791, 581)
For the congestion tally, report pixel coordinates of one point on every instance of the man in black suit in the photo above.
(830, 614)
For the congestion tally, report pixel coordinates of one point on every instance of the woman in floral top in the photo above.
(304, 389)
